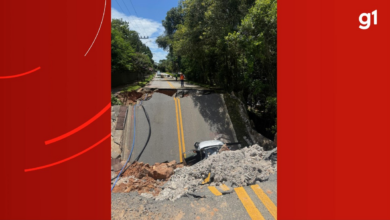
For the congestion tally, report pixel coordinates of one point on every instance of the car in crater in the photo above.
(203, 150)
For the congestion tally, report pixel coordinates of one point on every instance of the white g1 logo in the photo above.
(366, 24)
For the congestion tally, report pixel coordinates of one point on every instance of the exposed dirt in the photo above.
(169, 92)
(144, 178)
(129, 98)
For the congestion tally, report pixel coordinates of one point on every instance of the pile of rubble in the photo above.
(145, 179)
(233, 168)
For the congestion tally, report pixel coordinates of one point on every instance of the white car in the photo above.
(202, 151)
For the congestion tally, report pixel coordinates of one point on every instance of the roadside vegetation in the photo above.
(139, 84)
(131, 60)
(201, 84)
(132, 66)
(132, 88)
(227, 44)
(146, 81)
(115, 101)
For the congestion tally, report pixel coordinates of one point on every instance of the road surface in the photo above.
(169, 83)
(250, 202)
(176, 124)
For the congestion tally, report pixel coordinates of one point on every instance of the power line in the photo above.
(137, 16)
(122, 9)
(130, 14)
(119, 6)
(134, 8)
(134, 24)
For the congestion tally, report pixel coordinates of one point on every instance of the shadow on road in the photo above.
(213, 110)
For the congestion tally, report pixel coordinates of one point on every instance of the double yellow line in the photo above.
(247, 202)
(179, 123)
(182, 145)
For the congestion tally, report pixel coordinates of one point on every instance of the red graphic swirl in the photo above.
(79, 127)
(19, 75)
(69, 158)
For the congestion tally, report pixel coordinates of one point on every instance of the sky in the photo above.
(145, 17)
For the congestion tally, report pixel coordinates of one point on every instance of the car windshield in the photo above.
(210, 150)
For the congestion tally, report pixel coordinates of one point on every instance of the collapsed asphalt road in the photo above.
(177, 123)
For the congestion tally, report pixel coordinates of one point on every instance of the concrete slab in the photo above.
(113, 125)
(120, 120)
(127, 138)
(115, 149)
(118, 136)
(115, 109)
(120, 123)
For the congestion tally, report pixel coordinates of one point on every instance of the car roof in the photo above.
(204, 144)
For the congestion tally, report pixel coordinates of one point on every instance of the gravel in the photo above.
(237, 168)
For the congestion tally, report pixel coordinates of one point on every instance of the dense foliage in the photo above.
(115, 101)
(227, 43)
(131, 60)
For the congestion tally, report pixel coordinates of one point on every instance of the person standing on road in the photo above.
(182, 79)
(176, 76)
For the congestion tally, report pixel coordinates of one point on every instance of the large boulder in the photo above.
(144, 171)
(172, 164)
(162, 171)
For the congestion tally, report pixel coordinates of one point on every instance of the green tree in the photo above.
(131, 60)
(227, 43)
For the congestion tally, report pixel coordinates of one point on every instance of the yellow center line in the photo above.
(178, 116)
(265, 199)
(224, 187)
(250, 207)
(178, 106)
(214, 191)
(207, 179)
(181, 125)
(170, 84)
(178, 130)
